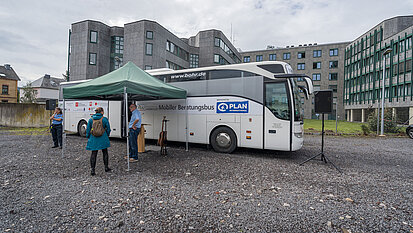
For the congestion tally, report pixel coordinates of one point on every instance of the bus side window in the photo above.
(220, 74)
(248, 74)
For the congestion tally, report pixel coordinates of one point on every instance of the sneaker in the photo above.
(55, 146)
(93, 172)
(108, 169)
(132, 160)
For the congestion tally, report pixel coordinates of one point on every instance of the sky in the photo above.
(34, 34)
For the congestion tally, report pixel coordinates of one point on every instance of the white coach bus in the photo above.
(253, 105)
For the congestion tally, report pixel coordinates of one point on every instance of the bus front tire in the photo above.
(81, 128)
(223, 140)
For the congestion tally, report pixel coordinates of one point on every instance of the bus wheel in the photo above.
(223, 140)
(81, 128)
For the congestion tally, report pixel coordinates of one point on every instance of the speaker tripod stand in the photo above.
(322, 155)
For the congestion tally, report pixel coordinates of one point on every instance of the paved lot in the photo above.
(203, 191)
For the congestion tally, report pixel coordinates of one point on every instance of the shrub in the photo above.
(365, 129)
(390, 125)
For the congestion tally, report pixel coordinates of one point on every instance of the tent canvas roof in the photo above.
(138, 83)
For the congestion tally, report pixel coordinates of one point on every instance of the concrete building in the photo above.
(46, 87)
(97, 49)
(8, 83)
(324, 63)
(364, 71)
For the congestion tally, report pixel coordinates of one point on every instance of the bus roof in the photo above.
(75, 82)
(252, 67)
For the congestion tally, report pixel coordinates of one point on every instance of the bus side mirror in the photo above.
(305, 91)
(309, 83)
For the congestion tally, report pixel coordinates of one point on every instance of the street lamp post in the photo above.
(387, 51)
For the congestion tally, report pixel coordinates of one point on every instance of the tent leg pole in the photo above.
(186, 126)
(125, 95)
(63, 130)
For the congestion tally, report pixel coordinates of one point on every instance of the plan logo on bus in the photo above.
(232, 107)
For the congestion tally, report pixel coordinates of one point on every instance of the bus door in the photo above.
(277, 115)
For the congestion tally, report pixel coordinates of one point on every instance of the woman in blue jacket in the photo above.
(98, 143)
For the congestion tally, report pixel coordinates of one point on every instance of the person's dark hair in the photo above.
(99, 110)
(60, 110)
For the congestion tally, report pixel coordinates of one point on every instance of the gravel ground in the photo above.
(203, 191)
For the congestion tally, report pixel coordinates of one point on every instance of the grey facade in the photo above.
(364, 71)
(314, 61)
(97, 49)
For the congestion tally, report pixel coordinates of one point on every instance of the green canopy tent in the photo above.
(129, 81)
(139, 84)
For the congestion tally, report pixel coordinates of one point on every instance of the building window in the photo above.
(286, 56)
(218, 42)
(401, 45)
(333, 64)
(333, 52)
(409, 43)
(148, 50)
(92, 58)
(301, 66)
(332, 76)
(216, 58)
(220, 60)
(93, 36)
(316, 77)
(193, 61)
(395, 48)
(117, 63)
(333, 87)
(317, 53)
(117, 45)
(173, 66)
(148, 67)
(149, 34)
(5, 90)
(300, 55)
(247, 59)
(317, 65)
(259, 58)
(171, 47)
(272, 57)
(116, 52)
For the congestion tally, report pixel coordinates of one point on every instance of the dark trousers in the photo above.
(133, 142)
(57, 135)
(105, 158)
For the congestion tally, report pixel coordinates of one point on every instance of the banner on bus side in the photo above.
(232, 107)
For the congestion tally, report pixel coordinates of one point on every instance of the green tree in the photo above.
(29, 94)
(390, 125)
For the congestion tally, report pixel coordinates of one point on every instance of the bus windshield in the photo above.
(298, 116)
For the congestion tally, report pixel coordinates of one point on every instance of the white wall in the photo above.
(47, 93)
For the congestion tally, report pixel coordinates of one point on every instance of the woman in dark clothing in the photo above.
(56, 128)
(96, 143)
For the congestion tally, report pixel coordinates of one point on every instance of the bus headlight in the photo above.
(298, 135)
